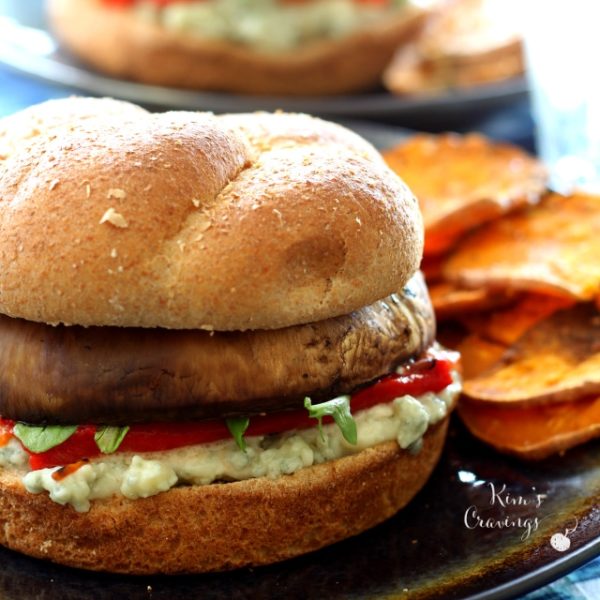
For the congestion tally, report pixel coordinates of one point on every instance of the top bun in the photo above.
(110, 215)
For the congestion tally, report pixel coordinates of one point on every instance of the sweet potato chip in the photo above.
(533, 432)
(557, 360)
(478, 355)
(507, 325)
(464, 181)
(449, 300)
(450, 334)
(431, 266)
(464, 43)
(551, 248)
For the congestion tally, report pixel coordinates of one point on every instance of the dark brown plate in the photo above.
(424, 552)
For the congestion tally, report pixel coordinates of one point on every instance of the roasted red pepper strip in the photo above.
(80, 445)
(167, 2)
(429, 374)
(125, 3)
(119, 3)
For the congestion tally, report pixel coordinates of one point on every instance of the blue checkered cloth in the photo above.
(17, 92)
(582, 584)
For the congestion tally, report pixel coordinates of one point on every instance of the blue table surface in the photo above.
(514, 124)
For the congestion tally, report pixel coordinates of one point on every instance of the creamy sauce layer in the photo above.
(405, 419)
(267, 25)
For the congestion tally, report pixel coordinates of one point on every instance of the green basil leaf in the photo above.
(109, 438)
(339, 409)
(237, 427)
(40, 438)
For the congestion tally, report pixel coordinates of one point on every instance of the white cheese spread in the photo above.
(267, 25)
(405, 419)
(13, 455)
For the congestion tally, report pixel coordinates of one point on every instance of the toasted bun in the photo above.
(114, 216)
(122, 44)
(221, 526)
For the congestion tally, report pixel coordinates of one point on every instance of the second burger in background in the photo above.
(275, 47)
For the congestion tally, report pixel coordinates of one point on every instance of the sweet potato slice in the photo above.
(507, 325)
(449, 300)
(556, 360)
(492, 333)
(463, 44)
(431, 267)
(464, 181)
(534, 432)
(478, 355)
(550, 248)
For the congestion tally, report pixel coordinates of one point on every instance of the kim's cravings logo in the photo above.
(514, 511)
(517, 511)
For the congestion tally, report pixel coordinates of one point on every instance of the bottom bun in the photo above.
(222, 526)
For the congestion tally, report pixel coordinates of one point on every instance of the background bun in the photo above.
(122, 44)
(110, 215)
(192, 529)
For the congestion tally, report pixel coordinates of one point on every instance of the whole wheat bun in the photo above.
(114, 216)
(120, 43)
(221, 526)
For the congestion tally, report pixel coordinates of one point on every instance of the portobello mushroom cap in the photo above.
(111, 375)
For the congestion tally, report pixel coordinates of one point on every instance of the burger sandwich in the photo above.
(215, 347)
(277, 47)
